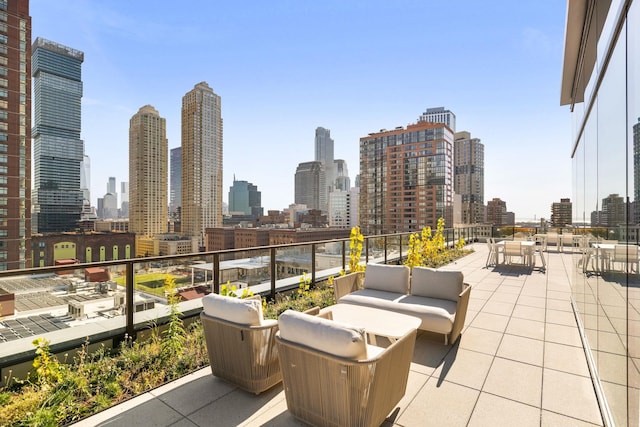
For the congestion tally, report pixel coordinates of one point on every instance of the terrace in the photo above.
(520, 361)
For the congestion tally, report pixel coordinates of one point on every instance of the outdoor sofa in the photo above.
(438, 297)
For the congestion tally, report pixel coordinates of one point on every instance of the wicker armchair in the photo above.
(241, 352)
(345, 389)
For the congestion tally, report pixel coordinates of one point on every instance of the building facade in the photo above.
(310, 185)
(175, 181)
(58, 150)
(439, 115)
(561, 213)
(15, 135)
(600, 81)
(201, 162)
(343, 208)
(406, 178)
(468, 176)
(496, 210)
(84, 247)
(148, 174)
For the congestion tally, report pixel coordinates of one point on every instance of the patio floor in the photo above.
(519, 361)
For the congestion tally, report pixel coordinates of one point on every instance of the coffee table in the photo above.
(375, 321)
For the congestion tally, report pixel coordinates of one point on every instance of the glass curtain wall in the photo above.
(606, 188)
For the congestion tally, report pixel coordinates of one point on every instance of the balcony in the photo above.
(520, 361)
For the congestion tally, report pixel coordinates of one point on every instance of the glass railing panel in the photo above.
(291, 263)
(328, 260)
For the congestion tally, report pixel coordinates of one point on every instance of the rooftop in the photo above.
(519, 361)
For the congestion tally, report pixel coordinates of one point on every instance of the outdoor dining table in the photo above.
(527, 250)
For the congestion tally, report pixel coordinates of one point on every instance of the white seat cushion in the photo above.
(428, 282)
(336, 338)
(390, 278)
(236, 310)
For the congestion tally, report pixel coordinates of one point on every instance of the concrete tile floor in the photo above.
(519, 362)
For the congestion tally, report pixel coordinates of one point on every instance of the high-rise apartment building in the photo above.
(561, 213)
(343, 208)
(148, 174)
(310, 185)
(15, 135)
(496, 211)
(245, 199)
(468, 176)
(439, 115)
(406, 178)
(58, 149)
(175, 180)
(201, 162)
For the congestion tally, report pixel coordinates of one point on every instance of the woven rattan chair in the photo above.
(243, 353)
(326, 389)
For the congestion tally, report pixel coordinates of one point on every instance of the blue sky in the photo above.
(284, 68)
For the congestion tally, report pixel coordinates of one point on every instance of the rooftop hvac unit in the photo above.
(118, 300)
(76, 309)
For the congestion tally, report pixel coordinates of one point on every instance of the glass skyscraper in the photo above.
(58, 149)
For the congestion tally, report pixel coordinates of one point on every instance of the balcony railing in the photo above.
(64, 305)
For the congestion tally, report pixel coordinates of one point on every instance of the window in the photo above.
(3, 148)
(3, 39)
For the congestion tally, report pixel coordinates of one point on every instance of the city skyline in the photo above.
(284, 69)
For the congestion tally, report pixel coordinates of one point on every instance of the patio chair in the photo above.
(240, 343)
(512, 249)
(331, 377)
(494, 251)
(538, 250)
(627, 255)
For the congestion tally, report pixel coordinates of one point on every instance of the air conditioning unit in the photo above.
(118, 300)
(76, 309)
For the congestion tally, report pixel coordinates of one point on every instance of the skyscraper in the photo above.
(324, 153)
(58, 149)
(341, 181)
(124, 200)
(406, 178)
(148, 173)
(245, 198)
(15, 135)
(85, 186)
(468, 176)
(111, 185)
(201, 162)
(310, 185)
(439, 115)
(175, 180)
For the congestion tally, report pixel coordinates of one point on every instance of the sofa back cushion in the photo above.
(390, 278)
(336, 338)
(432, 283)
(236, 310)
